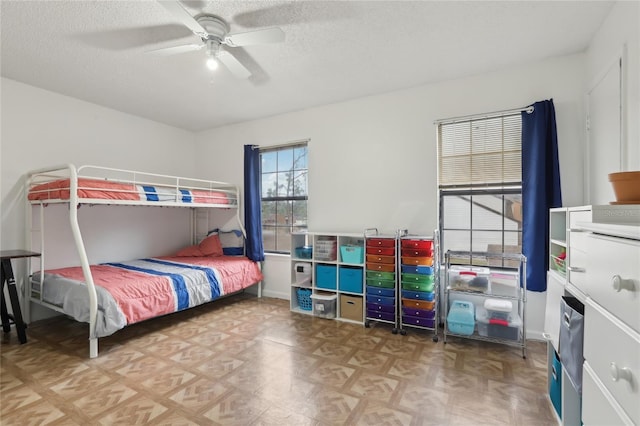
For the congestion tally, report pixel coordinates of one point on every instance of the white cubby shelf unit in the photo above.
(328, 268)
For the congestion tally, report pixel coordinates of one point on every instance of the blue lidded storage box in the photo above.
(326, 276)
(461, 318)
(350, 279)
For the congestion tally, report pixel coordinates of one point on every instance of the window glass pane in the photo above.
(269, 162)
(269, 237)
(283, 239)
(486, 240)
(285, 214)
(300, 214)
(268, 213)
(285, 160)
(513, 212)
(285, 188)
(269, 184)
(300, 158)
(487, 212)
(456, 241)
(297, 230)
(458, 212)
(512, 240)
(300, 183)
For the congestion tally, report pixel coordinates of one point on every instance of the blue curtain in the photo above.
(540, 188)
(252, 205)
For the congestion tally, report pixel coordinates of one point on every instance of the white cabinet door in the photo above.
(555, 291)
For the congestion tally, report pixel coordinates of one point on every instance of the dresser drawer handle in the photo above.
(620, 284)
(618, 373)
(576, 269)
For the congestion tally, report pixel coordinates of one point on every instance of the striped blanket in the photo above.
(136, 290)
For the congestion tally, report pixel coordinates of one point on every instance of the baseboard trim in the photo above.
(535, 335)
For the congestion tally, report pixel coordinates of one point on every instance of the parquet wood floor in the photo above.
(249, 361)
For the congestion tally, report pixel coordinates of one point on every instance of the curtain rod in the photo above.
(528, 109)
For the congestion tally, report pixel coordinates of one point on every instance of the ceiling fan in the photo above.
(214, 32)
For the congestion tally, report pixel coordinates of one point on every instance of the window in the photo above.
(284, 195)
(480, 186)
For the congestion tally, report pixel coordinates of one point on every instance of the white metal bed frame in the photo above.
(166, 182)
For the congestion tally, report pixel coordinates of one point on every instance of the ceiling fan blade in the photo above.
(236, 68)
(179, 12)
(166, 51)
(269, 35)
(133, 37)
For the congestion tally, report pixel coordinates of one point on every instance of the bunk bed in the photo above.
(111, 295)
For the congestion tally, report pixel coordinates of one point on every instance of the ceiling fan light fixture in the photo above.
(213, 48)
(212, 63)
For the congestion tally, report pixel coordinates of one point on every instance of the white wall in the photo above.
(372, 161)
(621, 28)
(41, 128)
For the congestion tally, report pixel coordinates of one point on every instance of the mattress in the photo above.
(110, 190)
(137, 290)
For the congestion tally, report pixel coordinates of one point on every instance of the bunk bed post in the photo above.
(244, 234)
(28, 230)
(84, 261)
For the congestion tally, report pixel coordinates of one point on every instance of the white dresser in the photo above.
(611, 371)
(603, 272)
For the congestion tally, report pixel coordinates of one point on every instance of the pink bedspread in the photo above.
(87, 188)
(237, 272)
(109, 190)
(141, 295)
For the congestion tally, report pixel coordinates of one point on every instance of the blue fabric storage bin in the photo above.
(413, 269)
(555, 384)
(350, 279)
(379, 291)
(418, 295)
(381, 300)
(326, 276)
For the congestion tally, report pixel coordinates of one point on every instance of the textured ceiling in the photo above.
(336, 50)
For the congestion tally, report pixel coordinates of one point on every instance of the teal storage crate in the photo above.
(352, 254)
(326, 276)
(350, 279)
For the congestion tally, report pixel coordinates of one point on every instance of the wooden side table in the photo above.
(6, 276)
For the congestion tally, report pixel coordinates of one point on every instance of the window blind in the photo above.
(480, 152)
